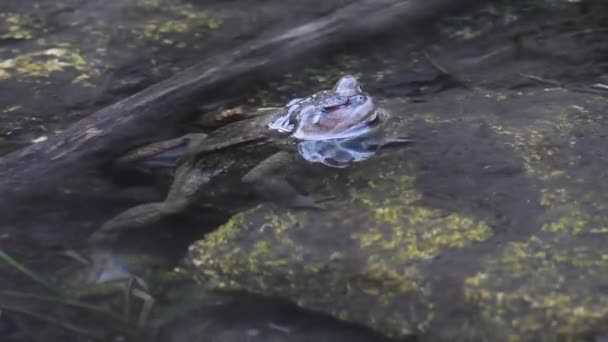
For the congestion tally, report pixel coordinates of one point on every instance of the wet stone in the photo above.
(490, 227)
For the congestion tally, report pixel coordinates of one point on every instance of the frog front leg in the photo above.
(187, 180)
(266, 181)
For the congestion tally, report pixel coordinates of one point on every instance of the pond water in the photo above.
(520, 155)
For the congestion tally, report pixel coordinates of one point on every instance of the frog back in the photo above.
(241, 133)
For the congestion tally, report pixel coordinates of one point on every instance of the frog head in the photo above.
(346, 112)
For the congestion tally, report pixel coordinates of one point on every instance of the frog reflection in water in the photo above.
(334, 127)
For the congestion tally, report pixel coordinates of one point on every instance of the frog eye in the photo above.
(359, 99)
(346, 84)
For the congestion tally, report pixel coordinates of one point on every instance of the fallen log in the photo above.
(107, 132)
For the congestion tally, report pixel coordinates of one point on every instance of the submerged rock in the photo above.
(491, 227)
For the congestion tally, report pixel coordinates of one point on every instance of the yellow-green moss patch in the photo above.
(425, 234)
(15, 26)
(542, 287)
(43, 63)
(177, 19)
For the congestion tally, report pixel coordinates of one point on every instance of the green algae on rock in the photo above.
(17, 26)
(543, 288)
(42, 63)
(360, 261)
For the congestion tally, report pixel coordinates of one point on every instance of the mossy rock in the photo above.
(490, 227)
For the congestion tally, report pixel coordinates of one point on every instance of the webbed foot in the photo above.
(136, 217)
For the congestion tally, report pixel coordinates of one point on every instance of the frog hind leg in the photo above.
(188, 179)
(149, 151)
(269, 185)
(137, 167)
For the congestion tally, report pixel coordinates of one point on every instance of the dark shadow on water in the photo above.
(249, 318)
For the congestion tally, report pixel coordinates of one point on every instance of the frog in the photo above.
(344, 120)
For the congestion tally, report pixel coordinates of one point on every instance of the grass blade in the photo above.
(7, 259)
